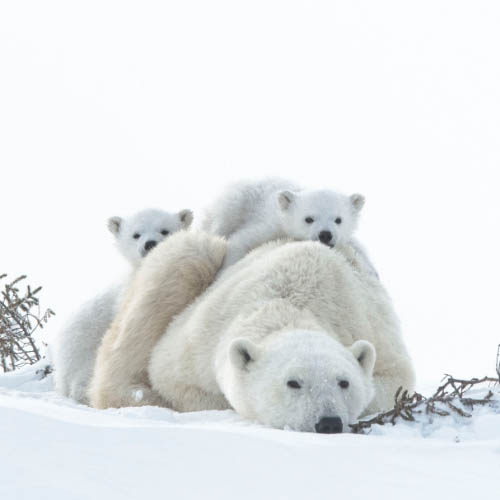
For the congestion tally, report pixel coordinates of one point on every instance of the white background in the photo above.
(108, 107)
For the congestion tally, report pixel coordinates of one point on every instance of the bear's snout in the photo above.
(149, 245)
(325, 237)
(329, 425)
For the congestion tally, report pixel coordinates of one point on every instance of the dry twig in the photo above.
(442, 403)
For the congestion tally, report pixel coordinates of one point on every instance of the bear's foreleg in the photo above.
(169, 279)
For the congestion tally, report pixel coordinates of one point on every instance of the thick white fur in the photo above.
(297, 308)
(75, 347)
(250, 213)
(288, 309)
(174, 274)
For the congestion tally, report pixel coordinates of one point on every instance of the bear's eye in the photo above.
(164, 232)
(136, 236)
(338, 220)
(293, 384)
(309, 220)
(344, 384)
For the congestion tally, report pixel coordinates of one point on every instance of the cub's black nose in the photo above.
(149, 245)
(325, 237)
(329, 425)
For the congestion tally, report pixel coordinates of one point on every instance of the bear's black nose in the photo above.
(325, 237)
(149, 245)
(329, 425)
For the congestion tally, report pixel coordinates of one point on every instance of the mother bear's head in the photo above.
(301, 380)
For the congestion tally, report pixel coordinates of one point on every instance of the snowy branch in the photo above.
(448, 398)
(20, 317)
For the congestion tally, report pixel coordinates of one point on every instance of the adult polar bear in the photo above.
(285, 337)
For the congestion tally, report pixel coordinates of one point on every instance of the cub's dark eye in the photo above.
(344, 384)
(164, 232)
(293, 384)
(338, 220)
(309, 220)
(137, 236)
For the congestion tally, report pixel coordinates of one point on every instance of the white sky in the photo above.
(108, 107)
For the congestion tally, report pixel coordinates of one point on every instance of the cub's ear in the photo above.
(364, 352)
(115, 224)
(242, 352)
(186, 217)
(285, 199)
(357, 202)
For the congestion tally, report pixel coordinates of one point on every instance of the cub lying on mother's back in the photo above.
(249, 214)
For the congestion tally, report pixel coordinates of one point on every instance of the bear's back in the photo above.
(304, 278)
(244, 203)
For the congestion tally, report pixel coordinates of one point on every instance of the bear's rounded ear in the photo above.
(242, 352)
(357, 202)
(114, 224)
(186, 217)
(285, 199)
(364, 352)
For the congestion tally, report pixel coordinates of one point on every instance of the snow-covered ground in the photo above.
(54, 449)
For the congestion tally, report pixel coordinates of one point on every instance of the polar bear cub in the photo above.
(75, 347)
(249, 214)
(137, 235)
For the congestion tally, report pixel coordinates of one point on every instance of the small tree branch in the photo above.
(449, 395)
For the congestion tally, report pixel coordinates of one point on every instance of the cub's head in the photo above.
(325, 216)
(138, 234)
(301, 380)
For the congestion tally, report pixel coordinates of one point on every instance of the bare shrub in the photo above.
(448, 398)
(20, 317)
